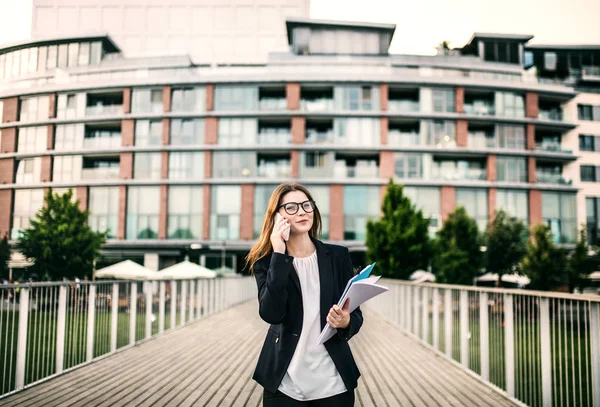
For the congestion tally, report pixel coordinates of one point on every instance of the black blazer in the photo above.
(280, 304)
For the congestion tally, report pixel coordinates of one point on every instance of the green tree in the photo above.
(60, 241)
(399, 241)
(506, 242)
(579, 265)
(544, 263)
(457, 250)
(4, 257)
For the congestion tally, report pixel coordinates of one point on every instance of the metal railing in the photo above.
(541, 348)
(49, 328)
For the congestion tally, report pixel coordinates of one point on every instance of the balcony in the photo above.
(451, 170)
(361, 169)
(403, 139)
(480, 108)
(403, 106)
(274, 137)
(543, 177)
(106, 140)
(554, 114)
(273, 166)
(103, 110)
(104, 104)
(317, 99)
(314, 136)
(100, 174)
(272, 104)
(272, 98)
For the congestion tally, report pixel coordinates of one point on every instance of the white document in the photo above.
(359, 292)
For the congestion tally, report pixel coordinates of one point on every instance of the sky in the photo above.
(421, 24)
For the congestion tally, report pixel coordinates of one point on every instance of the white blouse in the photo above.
(311, 374)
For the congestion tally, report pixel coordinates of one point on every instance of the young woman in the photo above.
(299, 283)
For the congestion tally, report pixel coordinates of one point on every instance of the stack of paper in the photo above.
(359, 289)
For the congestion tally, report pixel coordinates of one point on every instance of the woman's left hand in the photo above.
(339, 317)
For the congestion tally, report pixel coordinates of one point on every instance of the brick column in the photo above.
(210, 97)
(292, 96)
(383, 130)
(122, 212)
(532, 105)
(46, 172)
(50, 137)
(211, 133)
(492, 192)
(298, 130)
(247, 213)
(535, 207)
(206, 213)
(126, 165)
(336, 212)
(448, 201)
(166, 131)
(52, 106)
(531, 171)
(127, 100)
(386, 165)
(164, 164)
(162, 212)
(295, 164)
(530, 137)
(11, 110)
(462, 133)
(459, 99)
(6, 204)
(208, 158)
(8, 140)
(384, 91)
(166, 96)
(81, 194)
(127, 132)
(7, 170)
(492, 168)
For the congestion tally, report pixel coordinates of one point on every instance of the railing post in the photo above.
(408, 307)
(448, 321)
(545, 352)
(425, 312)
(199, 298)
(60, 328)
(148, 304)
(173, 304)
(484, 341)
(183, 300)
(436, 318)
(132, 312)
(595, 350)
(114, 317)
(161, 307)
(416, 299)
(22, 339)
(91, 323)
(401, 304)
(509, 344)
(464, 328)
(211, 297)
(204, 301)
(192, 297)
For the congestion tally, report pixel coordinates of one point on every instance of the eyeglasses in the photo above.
(292, 208)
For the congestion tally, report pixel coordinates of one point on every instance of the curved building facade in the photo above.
(167, 152)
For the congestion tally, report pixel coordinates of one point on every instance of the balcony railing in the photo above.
(319, 137)
(551, 115)
(103, 110)
(317, 105)
(552, 147)
(459, 175)
(97, 174)
(272, 104)
(102, 142)
(282, 170)
(397, 138)
(547, 178)
(399, 105)
(483, 109)
(269, 137)
(342, 171)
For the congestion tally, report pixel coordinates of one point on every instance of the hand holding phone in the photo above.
(286, 232)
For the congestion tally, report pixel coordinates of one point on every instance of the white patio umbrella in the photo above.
(507, 278)
(126, 270)
(185, 270)
(421, 276)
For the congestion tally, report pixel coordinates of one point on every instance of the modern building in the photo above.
(169, 151)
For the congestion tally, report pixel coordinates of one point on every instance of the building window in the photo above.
(225, 212)
(67, 168)
(146, 165)
(28, 170)
(233, 164)
(262, 194)
(592, 212)
(84, 54)
(514, 203)
(357, 97)
(32, 139)
(443, 100)
(588, 173)
(148, 132)
(184, 219)
(510, 104)
(510, 169)
(316, 164)
(104, 209)
(63, 55)
(187, 132)
(27, 203)
(588, 112)
(235, 132)
(188, 99)
(441, 134)
(69, 106)
(560, 213)
(512, 137)
(236, 98)
(68, 137)
(550, 61)
(51, 57)
(34, 109)
(589, 143)
(186, 165)
(408, 165)
(321, 197)
(147, 101)
(427, 199)
(143, 205)
(475, 202)
(356, 132)
(361, 203)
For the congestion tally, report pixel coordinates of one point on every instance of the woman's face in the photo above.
(301, 221)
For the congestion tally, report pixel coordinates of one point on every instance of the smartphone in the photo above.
(286, 233)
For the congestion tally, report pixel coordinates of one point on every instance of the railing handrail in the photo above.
(97, 282)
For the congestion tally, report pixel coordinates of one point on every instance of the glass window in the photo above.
(24, 61)
(185, 209)
(236, 98)
(147, 165)
(186, 165)
(588, 112)
(32, 139)
(28, 170)
(63, 55)
(67, 106)
(27, 203)
(187, 132)
(16, 64)
(236, 132)
(143, 205)
(321, 196)
(67, 168)
(361, 203)
(148, 132)
(96, 53)
(51, 61)
(408, 165)
(475, 202)
(514, 202)
(592, 205)
(33, 60)
(68, 137)
(34, 109)
(262, 194)
(586, 143)
(147, 101)
(588, 173)
(441, 134)
(225, 212)
(511, 169)
(559, 212)
(42, 59)
(73, 53)
(188, 99)
(550, 61)
(233, 164)
(512, 137)
(84, 54)
(443, 100)
(356, 97)
(510, 104)
(104, 209)
(427, 199)
(357, 131)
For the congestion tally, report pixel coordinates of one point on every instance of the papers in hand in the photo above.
(359, 289)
